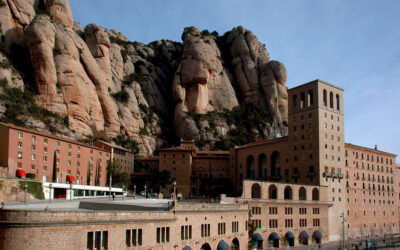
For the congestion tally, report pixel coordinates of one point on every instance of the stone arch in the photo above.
(257, 241)
(273, 192)
(331, 100)
(262, 166)
(315, 194)
(337, 102)
(302, 194)
(303, 238)
(235, 245)
(273, 240)
(275, 164)
(288, 193)
(205, 246)
(325, 98)
(255, 191)
(250, 167)
(310, 98)
(289, 239)
(222, 245)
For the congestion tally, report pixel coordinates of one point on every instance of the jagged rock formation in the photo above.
(103, 85)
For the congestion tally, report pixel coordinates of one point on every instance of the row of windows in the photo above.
(379, 179)
(133, 237)
(373, 201)
(289, 210)
(378, 168)
(378, 159)
(365, 213)
(256, 210)
(331, 100)
(97, 240)
(221, 228)
(384, 225)
(273, 223)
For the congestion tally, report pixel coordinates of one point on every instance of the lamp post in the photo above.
(134, 191)
(109, 194)
(26, 190)
(70, 192)
(174, 190)
(145, 191)
(50, 186)
(123, 188)
(344, 229)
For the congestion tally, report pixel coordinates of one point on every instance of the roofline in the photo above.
(12, 126)
(268, 141)
(369, 149)
(114, 145)
(316, 81)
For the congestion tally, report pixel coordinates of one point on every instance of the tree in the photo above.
(161, 180)
(119, 177)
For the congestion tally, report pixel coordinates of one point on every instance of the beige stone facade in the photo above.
(190, 224)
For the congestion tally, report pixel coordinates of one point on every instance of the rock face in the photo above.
(107, 86)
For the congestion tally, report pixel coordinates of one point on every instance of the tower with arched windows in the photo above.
(316, 142)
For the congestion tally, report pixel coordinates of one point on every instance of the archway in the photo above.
(317, 236)
(315, 194)
(235, 244)
(302, 194)
(273, 240)
(288, 193)
(262, 166)
(187, 248)
(255, 191)
(257, 241)
(250, 167)
(272, 192)
(289, 238)
(222, 245)
(303, 238)
(205, 246)
(275, 165)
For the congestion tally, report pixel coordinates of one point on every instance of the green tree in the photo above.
(119, 177)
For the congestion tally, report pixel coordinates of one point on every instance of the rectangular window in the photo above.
(302, 210)
(186, 232)
(288, 223)
(97, 236)
(57, 143)
(104, 240)
(89, 242)
(45, 141)
(45, 169)
(19, 155)
(235, 227)
(33, 166)
(316, 222)
(19, 135)
(19, 144)
(221, 228)
(44, 158)
(162, 235)
(288, 210)
(273, 223)
(69, 154)
(33, 157)
(205, 230)
(57, 152)
(33, 138)
(315, 210)
(303, 222)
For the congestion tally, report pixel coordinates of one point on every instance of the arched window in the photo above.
(325, 98)
(337, 102)
(288, 193)
(302, 194)
(256, 191)
(315, 194)
(294, 100)
(310, 98)
(302, 101)
(272, 192)
(331, 100)
(262, 166)
(250, 167)
(275, 164)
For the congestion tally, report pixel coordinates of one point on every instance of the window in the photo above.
(98, 242)
(69, 154)
(315, 210)
(69, 163)
(316, 222)
(221, 228)
(256, 210)
(19, 135)
(45, 141)
(205, 230)
(162, 235)
(33, 138)
(44, 158)
(303, 222)
(57, 143)
(33, 147)
(135, 240)
(45, 150)
(235, 226)
(273, 223)
(256, 223)
(273, 210)
(91, 159)
(288, 222)
(45, 169)
(186, 232)
(33, 167)
(19, 144)
(288, 210)
(302, 210)
(57, 152)
(33, 157)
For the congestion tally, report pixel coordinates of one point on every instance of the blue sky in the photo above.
(352, 44)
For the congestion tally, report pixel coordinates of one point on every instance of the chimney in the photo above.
(376, 147)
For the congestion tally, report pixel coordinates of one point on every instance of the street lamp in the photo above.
(70, 192)
(145, 191)
(26, 190)
(344, 229)
(174, 189)
(123, 188)
(109, 194)
(50, 186)
(134, 191)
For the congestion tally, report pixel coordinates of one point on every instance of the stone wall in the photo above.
(11, 192)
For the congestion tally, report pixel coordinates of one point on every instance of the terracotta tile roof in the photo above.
(11, 126)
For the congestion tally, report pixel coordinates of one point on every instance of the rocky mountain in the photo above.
(86, 83)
